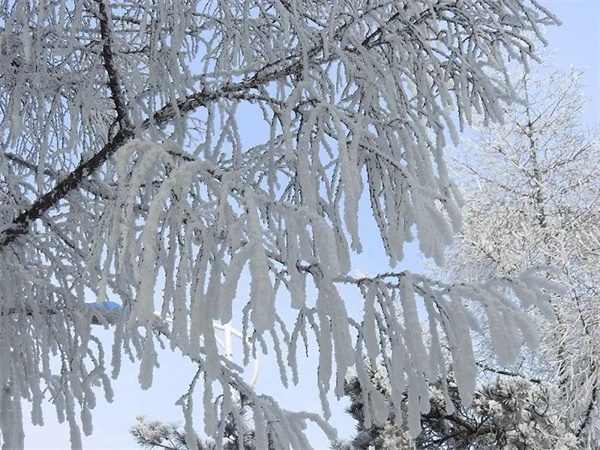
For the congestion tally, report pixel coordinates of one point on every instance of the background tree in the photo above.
(506, 413)
(532, 189)
(155, 434)
(128, 171)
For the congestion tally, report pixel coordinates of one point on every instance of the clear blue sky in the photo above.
(576, 43)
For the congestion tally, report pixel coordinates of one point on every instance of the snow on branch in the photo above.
(165, 153)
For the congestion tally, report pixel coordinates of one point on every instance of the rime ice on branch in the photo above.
(535, 180)
(124, 162)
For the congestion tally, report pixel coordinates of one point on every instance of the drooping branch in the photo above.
(72, 181)
(20, 225)
(200, 218)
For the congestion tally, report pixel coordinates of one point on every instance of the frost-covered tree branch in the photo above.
(535, 182)
(161, 154)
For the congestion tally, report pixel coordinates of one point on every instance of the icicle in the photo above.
(86, 421)
(462, 350)
(10, 420)
(325, 246)
(414, 333)
(350, 179)
(369, 325)
(260, 426)
(210, 418)
(148, 361)
(262, 299)
(228, 290)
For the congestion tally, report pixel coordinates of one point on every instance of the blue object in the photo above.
(109, 311)
(106, 306)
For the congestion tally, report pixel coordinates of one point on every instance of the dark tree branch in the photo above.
(487, 368)
(108, 56)
(20, 225)
(590, 407)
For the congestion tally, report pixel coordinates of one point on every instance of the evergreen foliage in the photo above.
(153, 435)
(508, 413)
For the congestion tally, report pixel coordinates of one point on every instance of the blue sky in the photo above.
(576, 43)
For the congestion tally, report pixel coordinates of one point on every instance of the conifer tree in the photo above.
(507, 413)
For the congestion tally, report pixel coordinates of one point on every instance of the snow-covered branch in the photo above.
(532, 198)
(163, 153)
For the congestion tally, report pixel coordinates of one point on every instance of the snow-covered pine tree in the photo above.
(531, 198)
(155, 434)
(507, 413)
(156, 152)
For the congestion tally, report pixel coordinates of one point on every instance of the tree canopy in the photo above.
(155, 153)
(531, 198)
